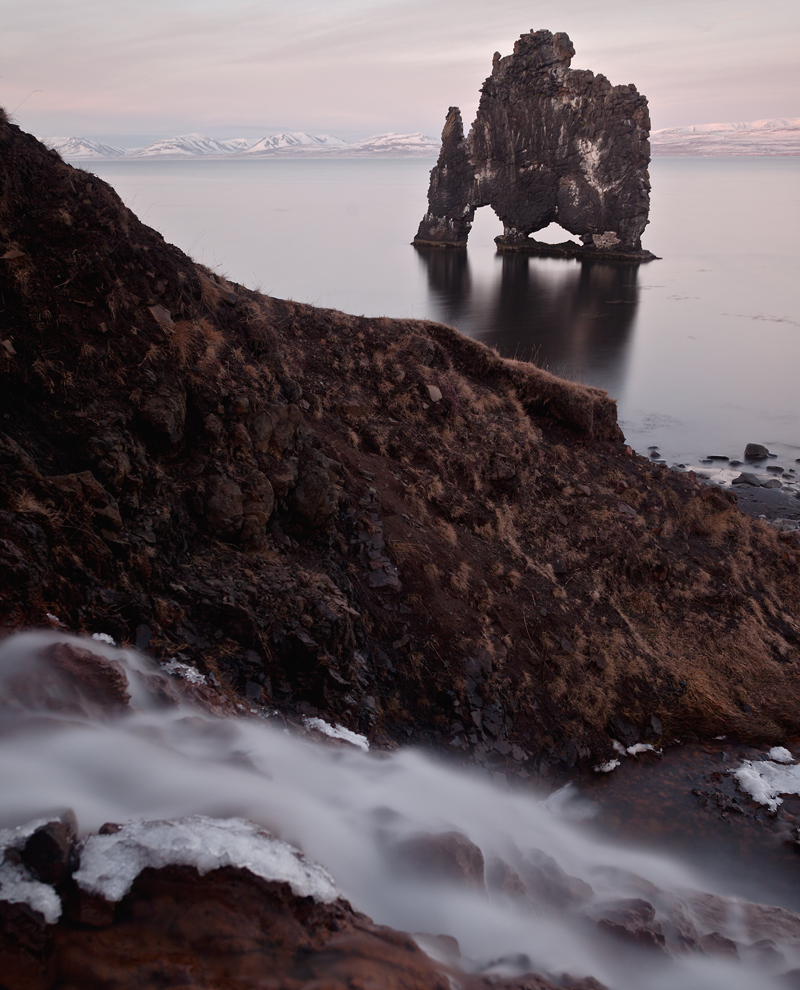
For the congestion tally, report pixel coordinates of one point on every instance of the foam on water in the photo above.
(350, 810)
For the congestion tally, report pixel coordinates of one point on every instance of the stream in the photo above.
(570, 882)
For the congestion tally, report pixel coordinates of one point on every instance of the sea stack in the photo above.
(549, 144)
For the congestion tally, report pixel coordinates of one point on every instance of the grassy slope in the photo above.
(268, 489)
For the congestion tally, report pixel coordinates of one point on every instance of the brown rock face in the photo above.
(448, 856)
(225, 930)
(549, 144)
(67, 679)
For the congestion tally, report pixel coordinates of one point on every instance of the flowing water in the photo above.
(352, 811)
(701, 349)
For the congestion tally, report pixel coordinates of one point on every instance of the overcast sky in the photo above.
(129, 69)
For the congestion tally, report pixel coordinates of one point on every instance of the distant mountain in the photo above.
(285, 145)
(295, 141)
(191, 146)
(386, 145)
(779, 136)
(75, 148)
(397, 144)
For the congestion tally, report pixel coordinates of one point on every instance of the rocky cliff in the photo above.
(549, 144)
(376, 519)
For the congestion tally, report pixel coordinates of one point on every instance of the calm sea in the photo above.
(701, 349)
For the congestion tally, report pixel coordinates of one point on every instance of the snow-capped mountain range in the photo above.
(284, 145)
(778, 136)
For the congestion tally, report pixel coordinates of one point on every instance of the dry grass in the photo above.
(447, 531)
(191, 338)
(27, 504)
(461, 578)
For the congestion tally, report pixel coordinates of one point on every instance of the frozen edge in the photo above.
(110, 863)
(338, 732)
(765, 780)
(17, 884)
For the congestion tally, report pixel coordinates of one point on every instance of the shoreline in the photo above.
(768, 503)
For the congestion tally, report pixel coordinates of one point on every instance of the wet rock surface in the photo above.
(227, 928)
(687, 800)
(549, 144)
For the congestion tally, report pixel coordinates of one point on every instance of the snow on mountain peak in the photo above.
(772, 136)
(284, 144)
(79, 148)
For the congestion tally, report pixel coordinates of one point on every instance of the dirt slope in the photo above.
(377, 520)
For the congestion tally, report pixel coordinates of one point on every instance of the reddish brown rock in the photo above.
(49, 853)
(69, 680)
(632, 920)
(192, 546)
(549, 886)
(26, 959)
(448, 856)
(226, 930)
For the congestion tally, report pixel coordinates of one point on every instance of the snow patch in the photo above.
(17, 884)
(338, 732)
(103, 638)
(110, 863)
(766, 780)
(779, 754)
(640, 748)
(606, 767)
(184, 670)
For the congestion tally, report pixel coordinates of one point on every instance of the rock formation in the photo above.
(379, 520)
(217, 929)
(549, 144)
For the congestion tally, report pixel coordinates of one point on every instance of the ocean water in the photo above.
(701, 349)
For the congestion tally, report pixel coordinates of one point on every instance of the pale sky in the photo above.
(126, 69)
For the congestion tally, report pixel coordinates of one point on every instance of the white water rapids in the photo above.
(348, 810)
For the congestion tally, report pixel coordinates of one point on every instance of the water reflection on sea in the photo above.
(701, 349)
(575, 318)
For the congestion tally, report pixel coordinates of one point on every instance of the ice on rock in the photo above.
(766, 780)
(184, 670)
(638, 748)
(17, 884)
(103, 638)
(110, 863)
(338, 732)
(606, 767)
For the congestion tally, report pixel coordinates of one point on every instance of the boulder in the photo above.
(746, 478)
(315, 496)
(224, 506)
(164, 417)
(67, 679)
(49, 852)
(448, 856)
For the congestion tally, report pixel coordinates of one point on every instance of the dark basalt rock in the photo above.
(549, 144)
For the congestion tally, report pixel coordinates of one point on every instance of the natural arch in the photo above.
(549, 144)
